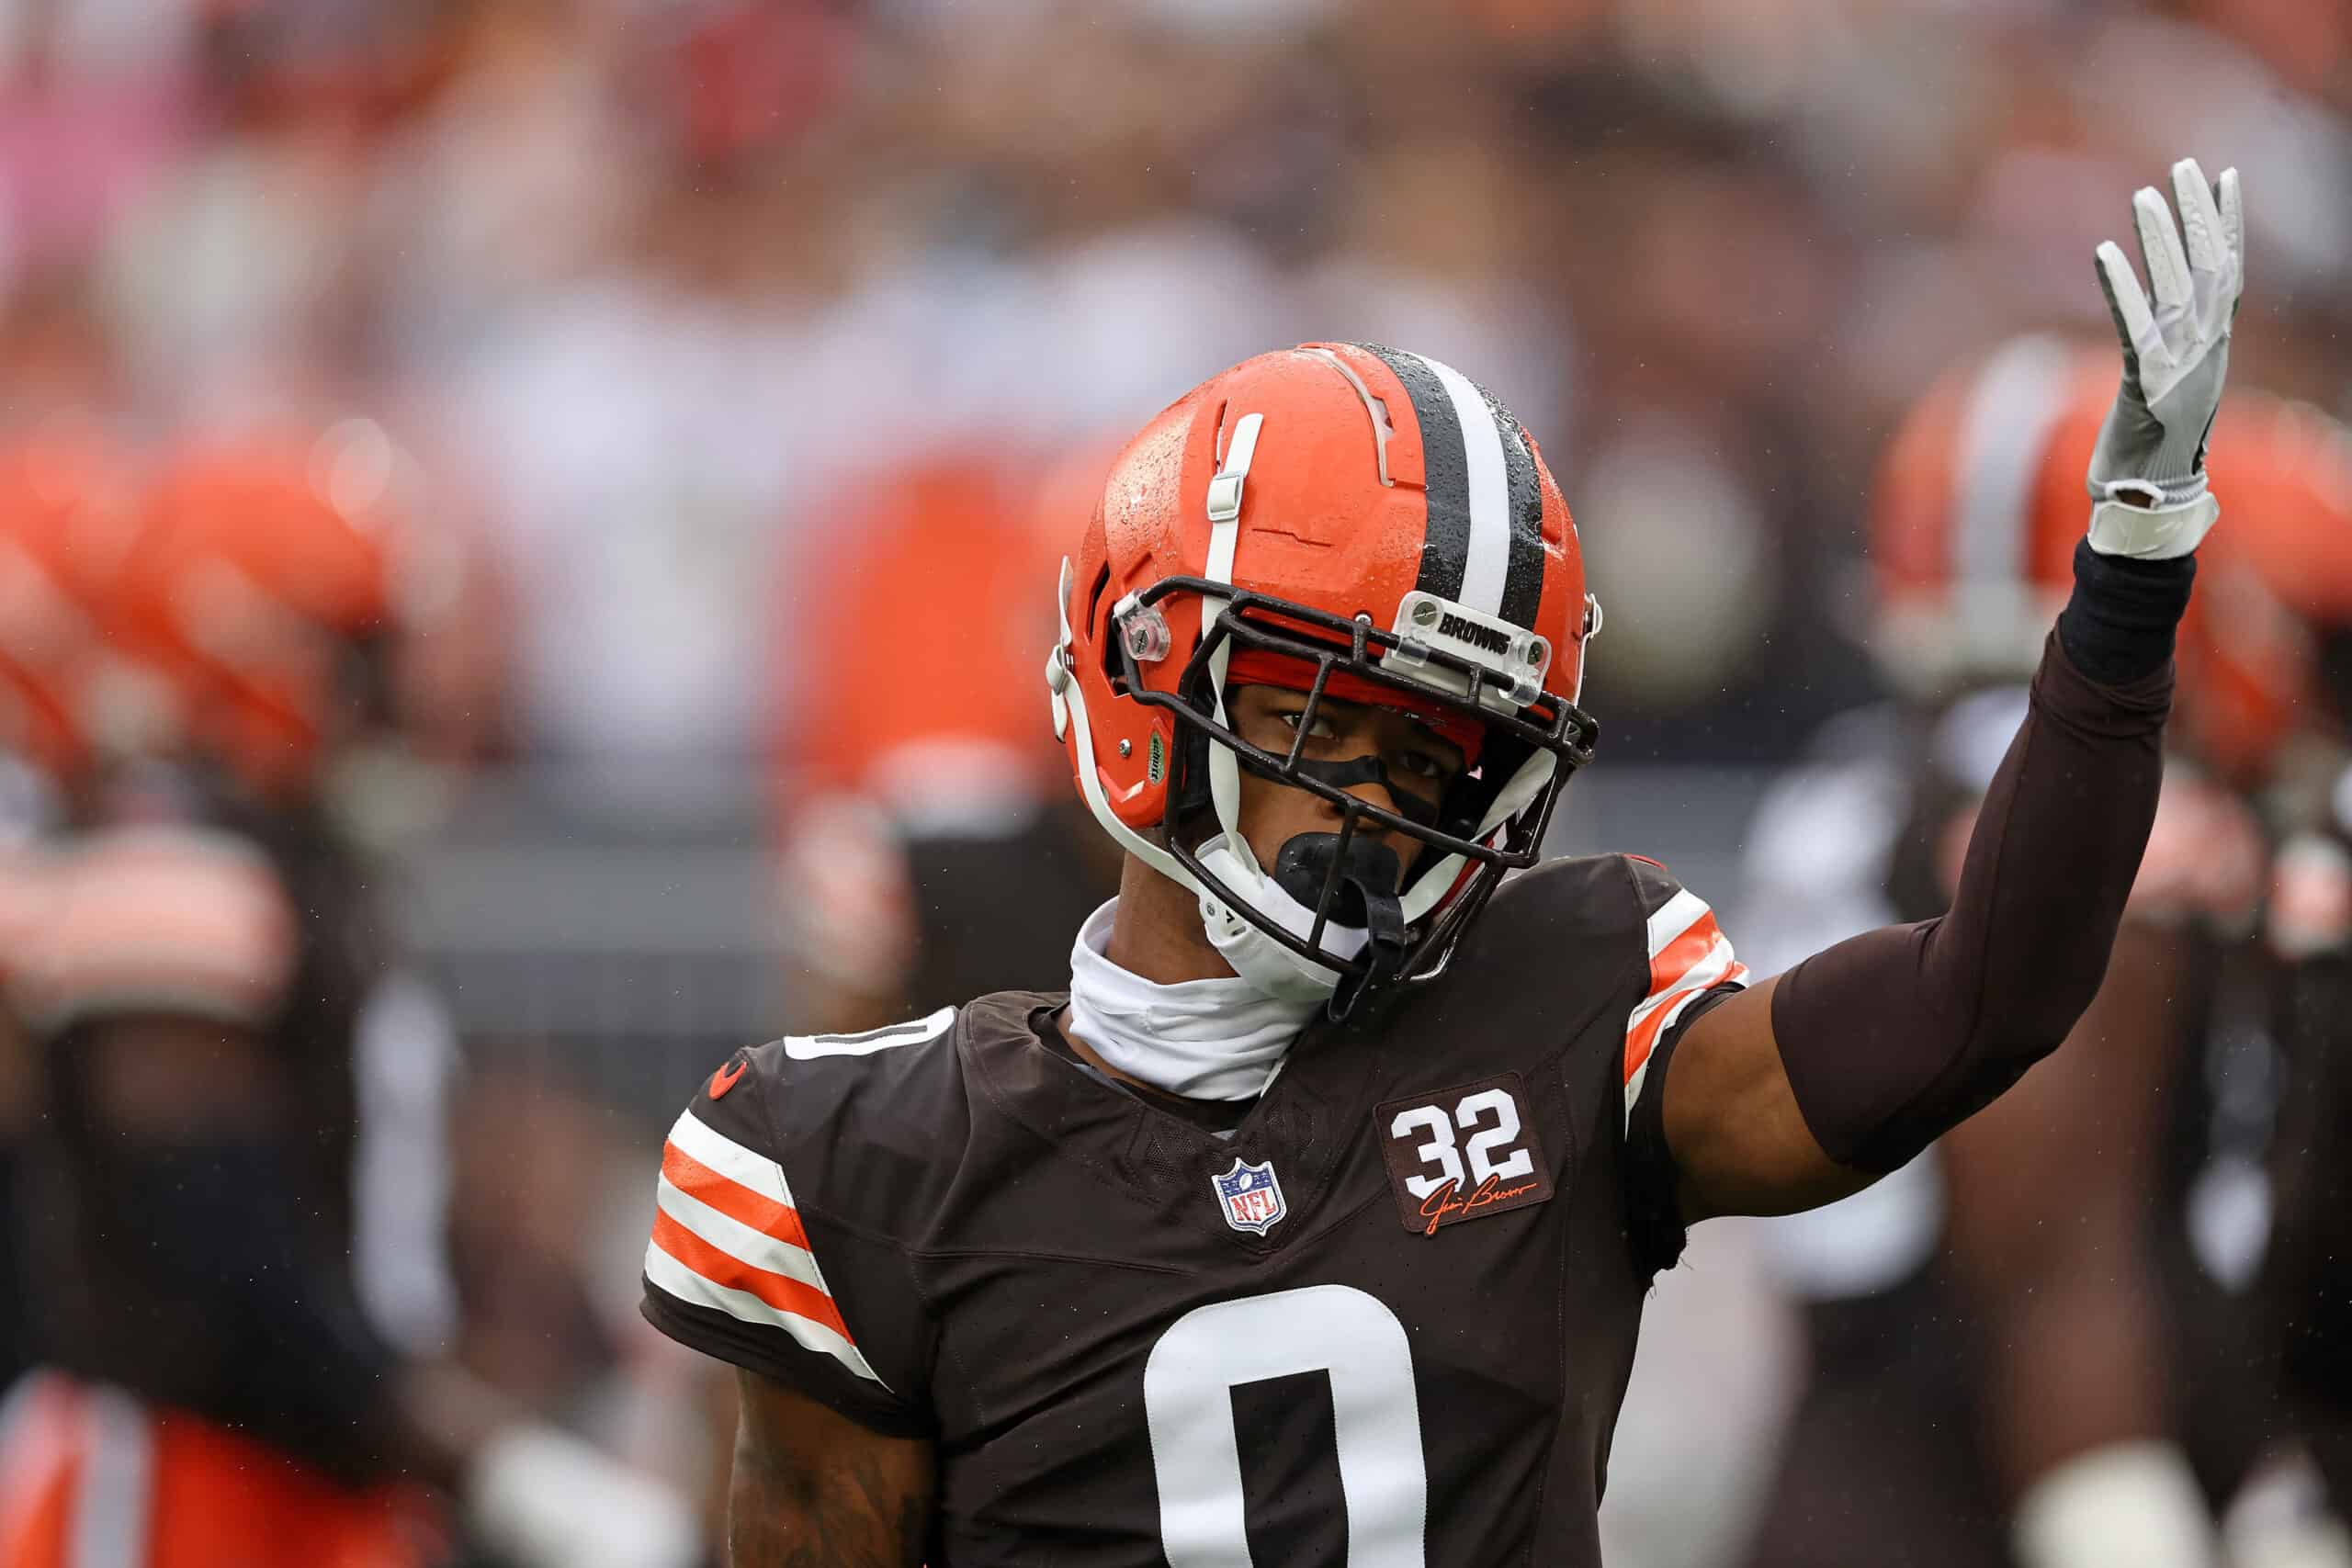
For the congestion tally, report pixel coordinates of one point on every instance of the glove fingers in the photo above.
(2160, 247)
(2134, 323)
(2200, 221)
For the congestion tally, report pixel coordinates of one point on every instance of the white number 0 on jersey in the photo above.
(1188, 1398)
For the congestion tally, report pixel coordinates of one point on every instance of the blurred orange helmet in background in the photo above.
(63, 519)
(261, 591)
(919, 544)
(1981, 501)
(2286, 479)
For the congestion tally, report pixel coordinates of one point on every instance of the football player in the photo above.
(1312, 1223)
(57, 482)
(241, 1294)
(1948, 1380)
(2289, 1515)
(889, 881)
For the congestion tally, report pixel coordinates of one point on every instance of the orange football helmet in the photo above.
(61, 528)
(919, 540)
(916, 541)
(1982, 500)
(1349, 521)
(259, 596)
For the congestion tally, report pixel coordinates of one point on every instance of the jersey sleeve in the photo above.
(1691, 968)
(742, 1266)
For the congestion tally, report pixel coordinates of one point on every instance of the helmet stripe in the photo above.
(1524, 584)
(1445, 473)
(1487, 564)
(2017, 396)
(1479, 477)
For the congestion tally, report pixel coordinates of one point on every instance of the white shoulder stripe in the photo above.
(117, 1484)
(674, 1278)
(808, 1047)
(39, 1438)
(1487, 567)
(1677, 915)
(2012, 403)
(1709, 971)
(737, 1239)
(1678, 1002)
(706, 1145)
(17, 1406)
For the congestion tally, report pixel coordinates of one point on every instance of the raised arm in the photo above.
(1813, 1085)
(813, 1487)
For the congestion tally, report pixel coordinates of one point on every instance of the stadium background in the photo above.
(680, 306)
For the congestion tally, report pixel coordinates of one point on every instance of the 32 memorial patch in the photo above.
(1463, 1153)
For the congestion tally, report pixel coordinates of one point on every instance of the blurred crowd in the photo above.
(395, 393)
(657, 286)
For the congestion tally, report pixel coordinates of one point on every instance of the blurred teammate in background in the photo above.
(240, 1213)
(2290, 1514)
(910, 826)
(62, 504)
(212, 1389)
(2021, 1344)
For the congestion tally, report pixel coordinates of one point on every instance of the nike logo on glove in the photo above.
(724, 1079)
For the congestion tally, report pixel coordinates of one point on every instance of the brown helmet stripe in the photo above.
(1523, 581)
(1483, 546)
(1445, 473)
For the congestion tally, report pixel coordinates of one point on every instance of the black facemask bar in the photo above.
(1261, 623)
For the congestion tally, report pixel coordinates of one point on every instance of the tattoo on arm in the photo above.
(813, 1488)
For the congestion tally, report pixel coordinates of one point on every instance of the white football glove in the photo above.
(2147, 475)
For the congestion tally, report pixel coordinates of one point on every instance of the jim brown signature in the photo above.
(1443, 1205)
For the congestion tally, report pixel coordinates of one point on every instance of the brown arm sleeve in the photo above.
(1899, 1034)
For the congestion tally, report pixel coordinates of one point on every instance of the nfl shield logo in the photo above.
(1250, 1196)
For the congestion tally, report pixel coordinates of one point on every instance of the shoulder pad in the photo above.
(1688, 954)
(787, 1185)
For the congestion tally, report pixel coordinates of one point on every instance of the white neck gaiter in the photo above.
(1219, 1039)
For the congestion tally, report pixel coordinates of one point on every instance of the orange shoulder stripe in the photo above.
(722, 1268)
(1643, 1038)
(1679, 957)
(732, 1199)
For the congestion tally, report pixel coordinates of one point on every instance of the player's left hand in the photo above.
(2147, 475)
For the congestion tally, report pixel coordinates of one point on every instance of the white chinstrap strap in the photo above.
(1220, 1039)
(1257, 957)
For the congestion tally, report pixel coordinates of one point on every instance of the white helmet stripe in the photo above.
(2005, 419)
(1224, 531)
(1487, 567)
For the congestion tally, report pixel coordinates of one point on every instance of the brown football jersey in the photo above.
(1387, 1320)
